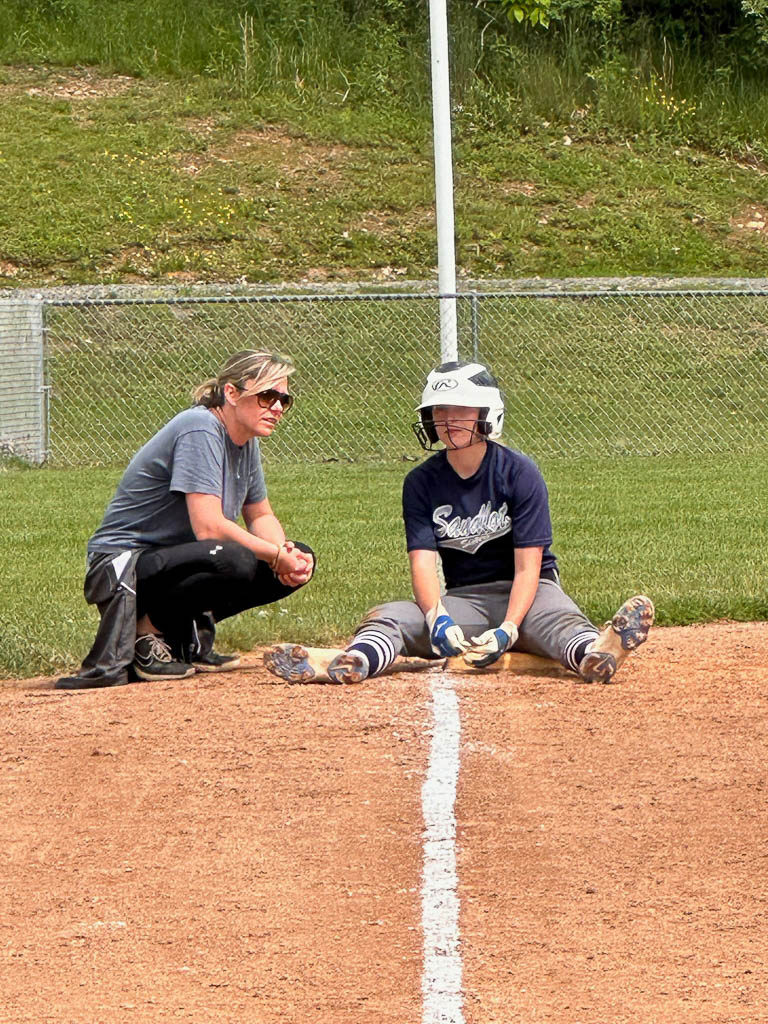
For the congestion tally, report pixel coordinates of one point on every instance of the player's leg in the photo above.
(389, 630)
(555, 627)
(381, 636)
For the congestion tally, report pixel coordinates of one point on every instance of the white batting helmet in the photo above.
(464, 384)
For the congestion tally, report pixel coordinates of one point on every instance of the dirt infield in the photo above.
(232, 848)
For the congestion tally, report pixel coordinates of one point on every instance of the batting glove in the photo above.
(489, 646)
(445, 637)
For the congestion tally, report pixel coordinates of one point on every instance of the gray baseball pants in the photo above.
(552, 620)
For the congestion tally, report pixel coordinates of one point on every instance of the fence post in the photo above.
(475, 327)
(23, 431)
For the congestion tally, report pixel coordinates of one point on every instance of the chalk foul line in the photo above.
(441, 976)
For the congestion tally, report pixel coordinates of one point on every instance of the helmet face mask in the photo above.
(468, 385)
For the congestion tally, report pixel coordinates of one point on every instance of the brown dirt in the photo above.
(292, 156)
(613, 859)
(237, 849)
(753, 219)
(520, 188)
(81, 83)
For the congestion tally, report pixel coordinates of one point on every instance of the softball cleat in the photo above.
(626, 631)
(349, 667)
(597, 667)
(298, 664)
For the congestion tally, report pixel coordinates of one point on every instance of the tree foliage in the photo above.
(531, 12)
(704, 20)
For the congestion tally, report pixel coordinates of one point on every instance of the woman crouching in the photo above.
(170, 558)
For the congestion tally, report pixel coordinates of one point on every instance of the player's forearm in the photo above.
(267, 527)
(521, 596)
(424, 580)
(525, 583)
(426, 594)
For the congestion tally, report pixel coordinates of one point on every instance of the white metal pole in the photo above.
(441, 124)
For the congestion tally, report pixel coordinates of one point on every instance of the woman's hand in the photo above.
(293, 567)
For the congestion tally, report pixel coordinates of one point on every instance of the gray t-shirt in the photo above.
(192, 454)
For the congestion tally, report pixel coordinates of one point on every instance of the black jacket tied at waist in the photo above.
(110, 584)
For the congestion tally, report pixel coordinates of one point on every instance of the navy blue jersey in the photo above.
(476, 524)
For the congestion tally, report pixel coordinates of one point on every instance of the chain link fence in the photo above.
(631, 374)
(119, 370)
(584, 373)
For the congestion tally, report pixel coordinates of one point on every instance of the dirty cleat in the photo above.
(300, 664)
(632, 622)
(624, 633)
(597, 667)
(348, 667)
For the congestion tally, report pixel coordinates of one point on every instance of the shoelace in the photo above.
(159, 650)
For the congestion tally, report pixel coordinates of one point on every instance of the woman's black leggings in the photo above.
(175, 585)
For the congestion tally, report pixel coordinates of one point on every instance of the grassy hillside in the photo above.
(110, 178)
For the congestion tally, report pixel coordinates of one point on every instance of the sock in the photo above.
(376, 647)
(577, 647)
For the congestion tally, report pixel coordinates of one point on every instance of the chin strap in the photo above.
(475, 438)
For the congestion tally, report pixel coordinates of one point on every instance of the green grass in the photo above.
(176, 181)
(271, 44)
(691, 533)
(637, 77)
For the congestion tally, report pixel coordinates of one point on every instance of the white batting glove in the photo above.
(489, 646)
(445, 637)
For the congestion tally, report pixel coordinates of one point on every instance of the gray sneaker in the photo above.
(152, 659)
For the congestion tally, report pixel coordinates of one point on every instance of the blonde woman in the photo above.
(170, 558)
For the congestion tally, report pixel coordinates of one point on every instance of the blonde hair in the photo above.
(262, 369)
